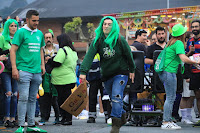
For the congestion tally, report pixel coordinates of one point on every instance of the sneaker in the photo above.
(20, 130)
(186, 121)
(56, 121)
(66, 122)
(101, 114)
(179, 127)
(35, 129)
(91, 120)
(41, 123)
(170, 126)
(8, 124)
(15, 124)
(197, 124)
(83, 115)
(109, 121)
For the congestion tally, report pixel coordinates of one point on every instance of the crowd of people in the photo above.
(107, 66)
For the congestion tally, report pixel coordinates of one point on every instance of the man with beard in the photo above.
(159, 45)
(193, 47)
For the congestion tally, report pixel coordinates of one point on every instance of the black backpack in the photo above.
(49, 65)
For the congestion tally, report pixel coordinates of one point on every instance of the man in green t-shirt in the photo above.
(27, 68)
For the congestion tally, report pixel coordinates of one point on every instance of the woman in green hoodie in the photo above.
(116, 65)
(9, 84)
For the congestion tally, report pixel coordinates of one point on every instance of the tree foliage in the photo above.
(75, 27)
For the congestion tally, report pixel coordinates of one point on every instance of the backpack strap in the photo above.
(64, 51)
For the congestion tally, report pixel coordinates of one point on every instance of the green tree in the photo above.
(75, 27)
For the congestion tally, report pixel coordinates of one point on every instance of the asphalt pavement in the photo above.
(81, 126)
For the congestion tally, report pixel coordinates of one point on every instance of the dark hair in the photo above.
(195, 21)
(31, 12)
(65, 40)
(160, 29)
(188, 33)
(139, 32)
(47, 33)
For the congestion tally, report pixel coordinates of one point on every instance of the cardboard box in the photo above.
(77, 101)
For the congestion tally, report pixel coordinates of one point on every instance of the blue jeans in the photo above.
(9, 85)
(28, 85)
(170, 84)
(115, 88)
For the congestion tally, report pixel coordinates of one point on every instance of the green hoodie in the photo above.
(47, 85)
(115, 56)
(113, 62)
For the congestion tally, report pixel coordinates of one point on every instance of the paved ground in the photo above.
(80, 126)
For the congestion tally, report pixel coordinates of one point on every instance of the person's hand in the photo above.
(3, 57)
(43, 69)
(132, 76)
(15, 74)
(192, 48)
(83, 78)
(148, 42)
(187, 80)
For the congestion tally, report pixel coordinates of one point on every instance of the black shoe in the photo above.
(15, 124)
(8, 124)
(66, 122)
(91, 120)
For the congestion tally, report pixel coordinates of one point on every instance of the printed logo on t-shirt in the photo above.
(38, 38)
(34, 47)
(108, 53)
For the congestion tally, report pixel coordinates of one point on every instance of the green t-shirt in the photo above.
(4, 45)
(172, 56)
(65, 74)
(29, 44)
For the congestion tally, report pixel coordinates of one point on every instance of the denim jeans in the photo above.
(115, 88)
(28, 85)
(170, 84)
(9, 85)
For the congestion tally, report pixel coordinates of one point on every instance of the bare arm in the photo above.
(15, 73)
(42, 61)
(148, 61)
(185, 59)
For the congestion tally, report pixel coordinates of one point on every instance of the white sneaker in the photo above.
(83, 115)
(101, 114)
(186, 121)
(170, 126)
(109, 121)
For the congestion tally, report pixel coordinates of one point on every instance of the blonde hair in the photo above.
(174, 39)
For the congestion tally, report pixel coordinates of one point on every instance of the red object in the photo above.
(38, 96)
(80, 80)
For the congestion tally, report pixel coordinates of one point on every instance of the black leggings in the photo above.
(64, 91)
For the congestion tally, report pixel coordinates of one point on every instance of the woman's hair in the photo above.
(174, 39)
(6, 32)
(65, 40)
(111, 39)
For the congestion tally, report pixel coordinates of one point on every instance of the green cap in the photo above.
(178, 30)
(51, 31)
